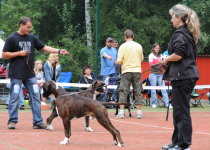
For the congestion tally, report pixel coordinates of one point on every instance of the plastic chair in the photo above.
(111, 92)
(66, 78)
(197, 97)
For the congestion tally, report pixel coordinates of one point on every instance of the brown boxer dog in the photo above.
(72, 106)
(49, 87)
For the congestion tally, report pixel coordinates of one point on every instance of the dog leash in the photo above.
(114, 82)
(136, 75)
(168, 104)
(108, 84)
(78, 69)
(26, 58)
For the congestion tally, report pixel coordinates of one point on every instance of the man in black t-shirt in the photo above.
(19, 48)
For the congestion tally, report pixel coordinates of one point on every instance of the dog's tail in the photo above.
(117, 103)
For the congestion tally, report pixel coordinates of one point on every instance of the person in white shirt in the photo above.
(156, 75)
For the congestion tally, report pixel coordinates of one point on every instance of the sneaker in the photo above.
(120, 115)
(139, 115)
(154, 106)
(8, 106)
(42, 126)
(170, 106)
(171, 145)
(11, 125)
(22, 107)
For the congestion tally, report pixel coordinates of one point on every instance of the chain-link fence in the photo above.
(71, 25)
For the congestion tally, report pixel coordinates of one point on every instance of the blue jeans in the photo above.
(104, 80)
(21, 97)
(118, 75)
(110, 75)
(156, 80)
(34, 95)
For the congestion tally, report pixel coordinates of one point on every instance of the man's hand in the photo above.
(107, 56)
(23, 53)
(110, 58)
(115, 62)
(64, 52)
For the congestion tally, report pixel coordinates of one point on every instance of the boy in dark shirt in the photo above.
(19, 48)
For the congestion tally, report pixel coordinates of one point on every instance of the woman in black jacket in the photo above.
(182, 71)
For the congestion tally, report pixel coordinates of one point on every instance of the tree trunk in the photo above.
(88, 23)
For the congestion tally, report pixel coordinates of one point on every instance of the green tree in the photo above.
(202, 8)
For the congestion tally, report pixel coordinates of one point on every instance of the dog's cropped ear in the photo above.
(53, 84)
(94, 84)
(46, 85)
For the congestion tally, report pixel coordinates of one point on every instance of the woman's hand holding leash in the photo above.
(164, 62)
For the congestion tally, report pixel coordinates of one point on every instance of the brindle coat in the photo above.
(70, 107)
(50, 87)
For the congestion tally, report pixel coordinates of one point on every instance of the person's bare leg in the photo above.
(122, 107)
(139, 106)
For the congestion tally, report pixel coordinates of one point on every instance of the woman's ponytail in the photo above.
(193, 24)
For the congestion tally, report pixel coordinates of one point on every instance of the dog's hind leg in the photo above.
(67, 129)
(117, 97)
(86, 122)
(50, 118)
(117, 107)
(106, 123)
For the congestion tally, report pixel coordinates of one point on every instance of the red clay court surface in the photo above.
(149, 133)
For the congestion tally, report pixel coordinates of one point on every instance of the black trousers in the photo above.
(182, 135)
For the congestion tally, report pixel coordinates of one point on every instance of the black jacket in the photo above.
(183, 44)
(86, 80)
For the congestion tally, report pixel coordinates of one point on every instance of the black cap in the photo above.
(109, 39)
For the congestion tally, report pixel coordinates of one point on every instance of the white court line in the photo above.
(96, 132)
(84, 132)
(153, 126)
(202, 133)
(142, 124)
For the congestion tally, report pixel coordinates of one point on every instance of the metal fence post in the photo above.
(97, 35)
(188, 3)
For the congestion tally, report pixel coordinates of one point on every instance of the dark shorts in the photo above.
(126, 80)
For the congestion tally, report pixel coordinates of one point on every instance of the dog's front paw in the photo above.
(89, 129)
(65, 141)
(49, 127)
(120, 145)
(91, 117)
